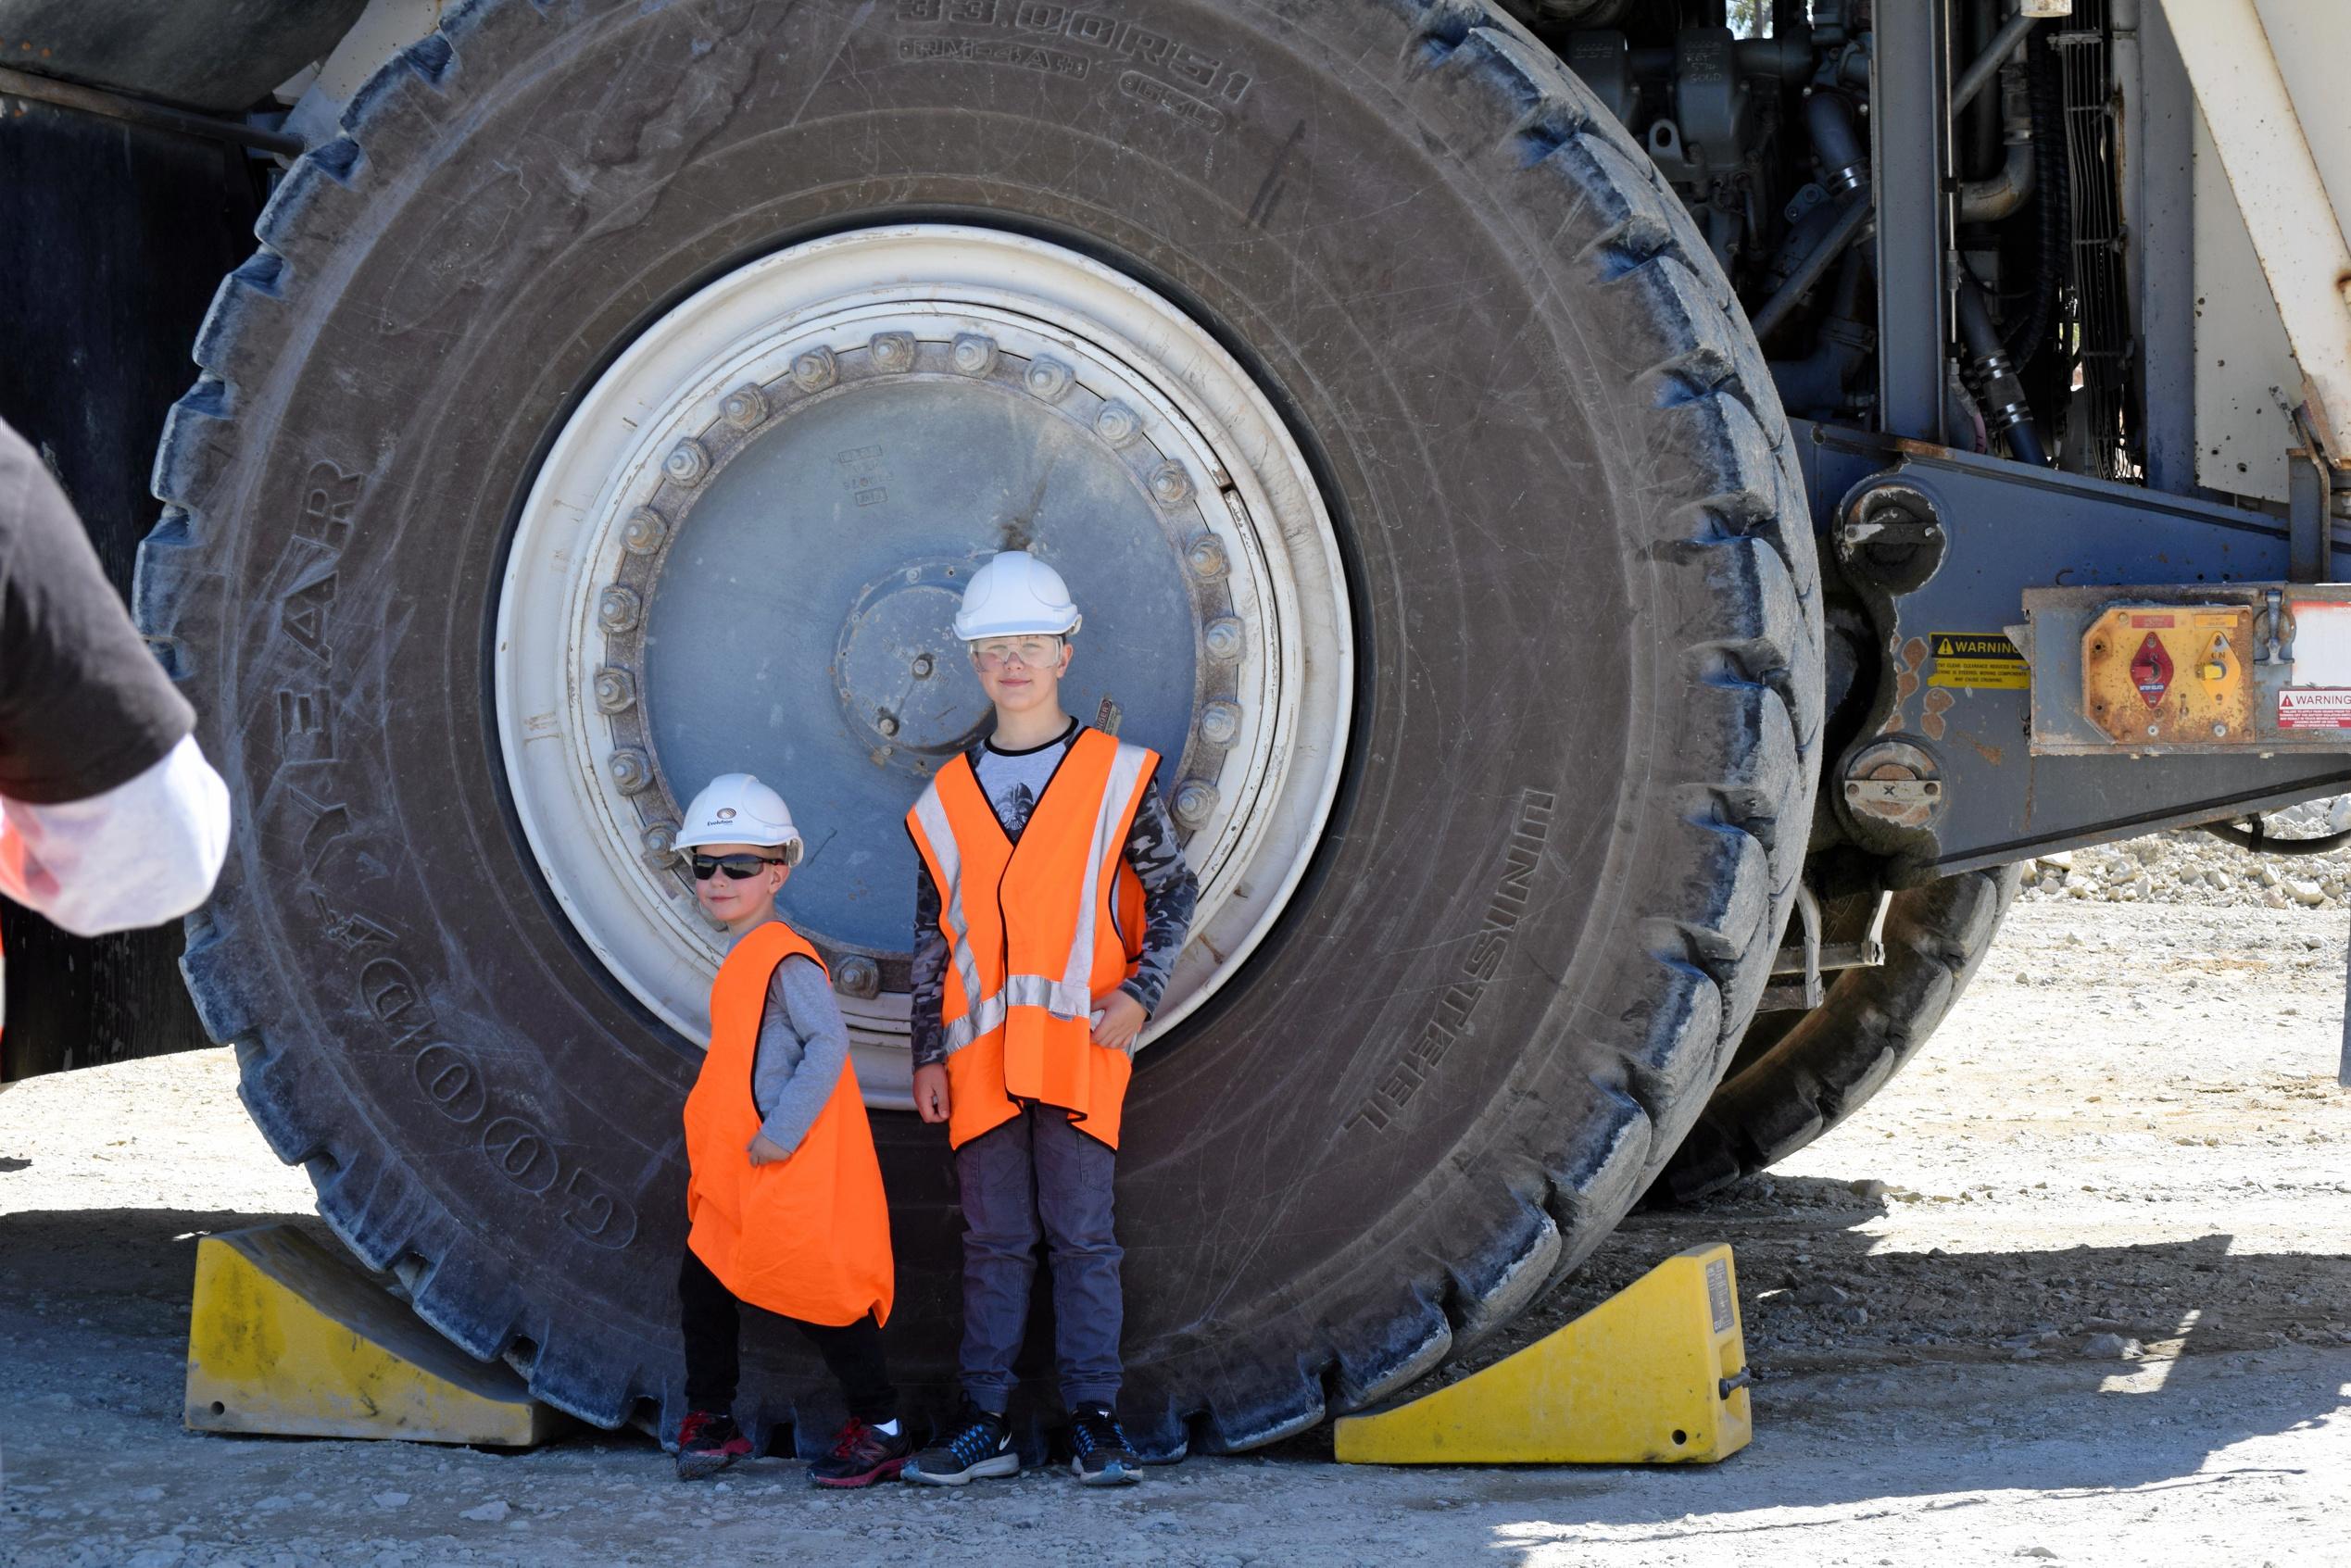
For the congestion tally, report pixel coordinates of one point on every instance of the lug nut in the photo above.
(1205, 556)
(1048, 379)
(744, 408)
(661, 845)
(858, 976)
(631, 770)
(973, 354)
(1170, 484)
(687, 463)
(1117, 423)
(1195, 799)
(814, 370)
(619, 610)
(615, 690)
(891, 351)
(1219, 722)
(644, 532)
(1222, 637)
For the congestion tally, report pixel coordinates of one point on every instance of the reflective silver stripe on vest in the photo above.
(1125, 772)
(981, 1013)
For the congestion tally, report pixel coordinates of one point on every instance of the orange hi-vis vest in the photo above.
(1034, 933)
(808, 1236)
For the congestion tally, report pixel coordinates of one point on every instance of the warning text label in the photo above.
(2314, 708)
(1980, 661)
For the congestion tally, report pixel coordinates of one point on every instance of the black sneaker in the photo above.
(1098, 1454)
(862, 1455)
(978, 1447)
(706, 1442)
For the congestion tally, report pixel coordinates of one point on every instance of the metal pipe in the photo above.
(138, 111)
(1849, 225)
(1979, 74)
(1982, 201)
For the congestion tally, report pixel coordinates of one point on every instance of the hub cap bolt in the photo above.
(644, 532)
(814, 370)
(618, 610)
(615, 690)
(1205, 556)
(887, 722)
(1195, 799)
(1219, 722)
(632, 770)
(1223, 637)
(1048, 379)
(892, 351)
(1117, 423)
(1170, 484)
(687, 463)
(922, 667)
(972, 355)
(744, 408)
(860, 977)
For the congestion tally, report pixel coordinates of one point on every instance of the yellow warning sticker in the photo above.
(1978, 661)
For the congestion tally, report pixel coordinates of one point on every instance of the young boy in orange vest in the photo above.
(785, 1196)
(1053, 901)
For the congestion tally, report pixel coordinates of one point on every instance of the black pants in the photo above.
(713, 1320)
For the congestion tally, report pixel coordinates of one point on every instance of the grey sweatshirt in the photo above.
(803, 1046)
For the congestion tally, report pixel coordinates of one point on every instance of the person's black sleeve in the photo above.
(83, 705)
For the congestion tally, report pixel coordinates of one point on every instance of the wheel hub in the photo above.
(895, 668)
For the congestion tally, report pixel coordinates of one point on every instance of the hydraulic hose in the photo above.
(2255, 839)
(2006, 409)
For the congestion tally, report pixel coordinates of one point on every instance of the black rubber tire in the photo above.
(1796, 1075)
(1585, 743)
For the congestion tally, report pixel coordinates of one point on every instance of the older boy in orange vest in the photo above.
(785, 1195)
(1053, 901)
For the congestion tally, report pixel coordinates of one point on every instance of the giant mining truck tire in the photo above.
(621, 398)
(1798, 1074)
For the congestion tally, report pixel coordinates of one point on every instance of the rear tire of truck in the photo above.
(1799, 1073)
(1569, 780)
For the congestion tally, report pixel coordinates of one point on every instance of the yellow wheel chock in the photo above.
(1655, 1374)
(289, 1338)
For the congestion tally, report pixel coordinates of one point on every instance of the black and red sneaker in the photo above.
(708, 1442)
(862, 1455)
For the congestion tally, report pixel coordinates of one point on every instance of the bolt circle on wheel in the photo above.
(820, 518)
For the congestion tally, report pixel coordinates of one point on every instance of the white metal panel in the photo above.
(2262, 70)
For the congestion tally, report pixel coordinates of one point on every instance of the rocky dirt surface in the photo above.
(2075, 1288)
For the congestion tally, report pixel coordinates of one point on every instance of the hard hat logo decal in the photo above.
(726, 813)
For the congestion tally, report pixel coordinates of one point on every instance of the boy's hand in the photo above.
(930, 1092)
(1123, 1018)
(765, 1150)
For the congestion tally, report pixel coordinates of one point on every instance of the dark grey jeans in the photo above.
(1038, 1168)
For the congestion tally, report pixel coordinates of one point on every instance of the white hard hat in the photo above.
(737, 808)
(1014, 594)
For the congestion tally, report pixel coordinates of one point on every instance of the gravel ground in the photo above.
(2075, 1288)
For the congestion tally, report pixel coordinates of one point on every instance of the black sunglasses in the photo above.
(739, 867)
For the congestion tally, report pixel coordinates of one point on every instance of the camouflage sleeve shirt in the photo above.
(1012, 781)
